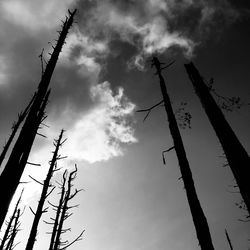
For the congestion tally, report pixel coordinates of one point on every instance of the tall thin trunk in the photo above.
(200, 221)
(58, 213)
(44, 194)
(237, 156)
(15, 165)
(9, 224)
(15, 127)
(10, 244)
(63, 213)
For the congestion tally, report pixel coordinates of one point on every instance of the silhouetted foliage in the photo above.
(228, 104)
(183, 117)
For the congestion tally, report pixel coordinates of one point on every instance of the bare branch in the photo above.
(75, 240)
(36, 180)
(34, 164)
(149, 109)
(165, 151)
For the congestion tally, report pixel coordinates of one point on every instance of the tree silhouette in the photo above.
(17, 161)
(15, 128)
(45, 192)
(199, 219)
(12, 229)
(236, 155)
(62, 213)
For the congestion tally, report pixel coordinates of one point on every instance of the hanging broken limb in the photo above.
(163, 156)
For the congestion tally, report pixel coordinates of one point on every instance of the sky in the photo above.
(130, 199)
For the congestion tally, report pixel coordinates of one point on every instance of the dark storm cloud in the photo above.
(106, 31)
(154, 25)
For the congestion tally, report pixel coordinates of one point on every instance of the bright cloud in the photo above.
(99, 134)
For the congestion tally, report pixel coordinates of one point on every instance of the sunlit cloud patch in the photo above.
(101, 133)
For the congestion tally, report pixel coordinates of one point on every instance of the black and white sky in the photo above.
(131, 200)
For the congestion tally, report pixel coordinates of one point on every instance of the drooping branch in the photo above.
(163, 154)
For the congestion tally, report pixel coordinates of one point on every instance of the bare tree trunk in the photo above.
(15, 165)
(200, 221)
(46, 184)
(64, 211)
(58, 213)
(10, 245)
(15, 127)
(237, 156)
(62, 214)
(7, 233)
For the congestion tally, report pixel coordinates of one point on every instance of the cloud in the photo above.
(35, 14)
(100, 133)
(155, 26)
(148, 29)
(85, 53)
(3, 68)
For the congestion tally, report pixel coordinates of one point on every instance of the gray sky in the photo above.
(131, 200)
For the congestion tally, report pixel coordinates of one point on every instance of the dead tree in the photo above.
(45, 192)
(9, 230)
(236, 155)
(13, 226)
(11, 245)
(15, 128)
(58, 208)
(62, 214)
(15, 165)
(200, 221)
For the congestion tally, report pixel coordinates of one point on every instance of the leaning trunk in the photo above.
(200, 221)
(46, 184)
(15, 165)
(237, 156)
